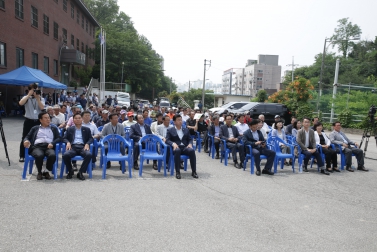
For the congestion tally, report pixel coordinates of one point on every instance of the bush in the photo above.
(345, 118)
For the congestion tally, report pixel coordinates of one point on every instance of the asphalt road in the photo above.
(226, 209)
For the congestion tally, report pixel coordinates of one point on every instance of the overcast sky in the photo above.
(230, 32)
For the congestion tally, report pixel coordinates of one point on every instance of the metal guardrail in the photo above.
(355, 118)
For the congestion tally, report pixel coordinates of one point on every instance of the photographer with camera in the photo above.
(33, 106)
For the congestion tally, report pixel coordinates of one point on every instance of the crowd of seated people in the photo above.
(78, 128)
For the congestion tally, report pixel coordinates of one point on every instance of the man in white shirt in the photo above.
(130, 121)
(241, 125)
(265, 126)
(58, 118)
(156, 123)
(184, 115)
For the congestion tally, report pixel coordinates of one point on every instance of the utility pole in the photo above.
(204, 79)
(293, 67)
(335, 85)
(171, 80)
(189, 87)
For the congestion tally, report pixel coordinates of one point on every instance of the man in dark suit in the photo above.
(78, 139)
(305, 139)
(232, 137)
(179, 138)
(137, 131)
(214, 130)
(255, 139)
(42, 140)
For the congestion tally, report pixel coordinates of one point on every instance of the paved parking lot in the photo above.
(226, 209)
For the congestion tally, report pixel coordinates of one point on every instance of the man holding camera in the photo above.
(33, 104)
(255, 139)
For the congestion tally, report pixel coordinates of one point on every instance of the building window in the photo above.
(72, 11)
(45, 65)
(55, 67)
(65, 5)
(46, 24)
(34, 60)
(34, 16)
(78, 16)
(2, 4)
(19, 4)
(78, 44)
(82, 21)
(56, 31)
(82, 47)
(259, 79)
(86, 25)
(64, 35)
(3, 58)
(19, 57)
(260, 71)
(73, 41)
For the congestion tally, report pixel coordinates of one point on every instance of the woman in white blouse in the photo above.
(324, 141)
(279, 132)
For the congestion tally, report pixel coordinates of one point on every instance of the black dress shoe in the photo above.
(237, 165)
(46, 175)
(335, 169)
(154, 166)
(21, 159)
(70, 174)
(305, 169)
(178, 176)
(257, 173)
(323, 171)
(108, 165)
(39, 176)
(206, 151)
(74, 167)
(194, 175)
(136, 166)
(241, 165)
(217, 157)
(80, 176)
(362, 168)
(264, 171)
(349, 168)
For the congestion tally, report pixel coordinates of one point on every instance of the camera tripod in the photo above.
(369, 131)
(4, 140)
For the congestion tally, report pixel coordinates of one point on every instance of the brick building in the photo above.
(50, 35)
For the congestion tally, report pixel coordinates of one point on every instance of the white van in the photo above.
(124, 99)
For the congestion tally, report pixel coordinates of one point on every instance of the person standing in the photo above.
(33, 105)
(230, 134)
(41, 141)
(306, 141)
(78, 139)
(179, 138)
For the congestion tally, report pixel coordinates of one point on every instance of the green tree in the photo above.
(262, 96)
(343, 33)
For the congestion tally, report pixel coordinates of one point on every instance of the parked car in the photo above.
(164, 104)
(270, 110)
(228, 106)
(124, 99)
(244, 109)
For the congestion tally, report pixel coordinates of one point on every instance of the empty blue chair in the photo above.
(154, 149)
(29, 162)
(114, 143)
(282, 156)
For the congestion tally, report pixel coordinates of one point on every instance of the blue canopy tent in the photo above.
(24, 75)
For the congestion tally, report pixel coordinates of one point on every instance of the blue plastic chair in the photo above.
(77, 158)
(171, 161)
(224, 153)
(282, 156)
(113, 153)
(198, 142)
(100, 128)
(154, 149)
(211, 144)
(29, 161)
(338, 149)
(249, 155)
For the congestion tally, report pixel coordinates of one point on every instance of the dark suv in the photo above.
(270, 110)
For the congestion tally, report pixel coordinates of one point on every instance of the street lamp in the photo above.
(122, 73)
(323, 63)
